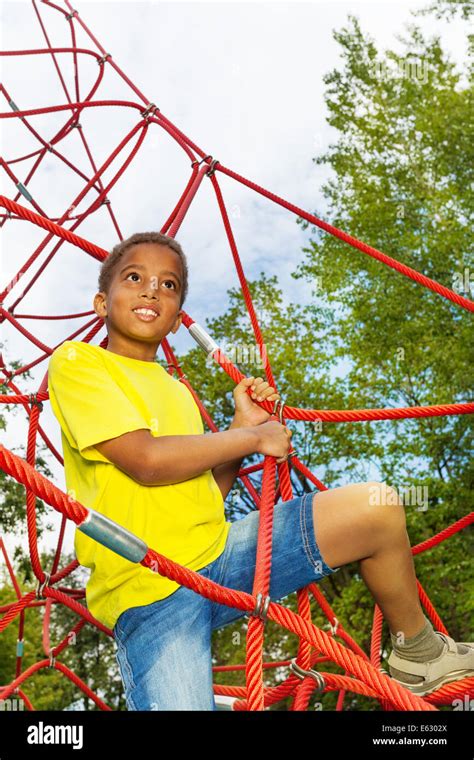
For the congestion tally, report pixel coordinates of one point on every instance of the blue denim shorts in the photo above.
(164, 648)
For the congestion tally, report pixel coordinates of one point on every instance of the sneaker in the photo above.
(448, 666)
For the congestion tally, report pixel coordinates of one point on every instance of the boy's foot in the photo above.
(425, 677)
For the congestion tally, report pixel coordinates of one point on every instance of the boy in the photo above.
(134, 450)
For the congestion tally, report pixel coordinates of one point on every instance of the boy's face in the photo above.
(148, 276)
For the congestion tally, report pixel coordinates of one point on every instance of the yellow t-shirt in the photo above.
(96, 395)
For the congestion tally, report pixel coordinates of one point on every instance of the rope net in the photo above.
(361, 672)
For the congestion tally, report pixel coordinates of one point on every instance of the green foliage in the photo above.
(402, 164)
(89, 654)
(449, 8)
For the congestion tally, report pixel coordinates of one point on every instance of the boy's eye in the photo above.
(172, 282)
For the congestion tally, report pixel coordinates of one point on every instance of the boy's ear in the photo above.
(100, 306)
(177, 323)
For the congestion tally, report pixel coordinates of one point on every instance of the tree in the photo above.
(402, 164)
(449, 8)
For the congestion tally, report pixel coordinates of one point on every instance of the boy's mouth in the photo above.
(145, 314)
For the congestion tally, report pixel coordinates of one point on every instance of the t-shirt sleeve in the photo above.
(88, 403)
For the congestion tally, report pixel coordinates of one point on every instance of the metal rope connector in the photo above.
(212, 168)
(280, 404)
(334, 626)
(201, 161)
(102, 60)
(71, 15)
(34, 400)
(149, 111)
(41, 586)
(114, 536)
(24, 191)
(301, 673)
(203, 339)
(261, 607)
(52, 660)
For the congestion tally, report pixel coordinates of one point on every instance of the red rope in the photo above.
(361, 673)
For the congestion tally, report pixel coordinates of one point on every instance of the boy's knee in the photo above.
(384, 504)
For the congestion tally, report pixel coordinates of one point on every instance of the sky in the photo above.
(244, 81)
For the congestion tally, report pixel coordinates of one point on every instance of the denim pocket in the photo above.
(122, 622)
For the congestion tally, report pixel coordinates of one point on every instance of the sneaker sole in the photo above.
(423, 690)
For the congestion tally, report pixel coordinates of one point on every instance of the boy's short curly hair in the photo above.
(108, 265)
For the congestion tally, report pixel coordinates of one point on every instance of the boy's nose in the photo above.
(150, 292)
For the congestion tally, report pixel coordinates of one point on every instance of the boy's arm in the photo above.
(174, 458)
(226, 473)
(247, 414)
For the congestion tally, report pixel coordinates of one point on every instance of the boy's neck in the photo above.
(142, 352)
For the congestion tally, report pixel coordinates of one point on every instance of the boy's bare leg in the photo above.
(350, 527)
